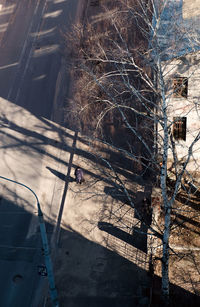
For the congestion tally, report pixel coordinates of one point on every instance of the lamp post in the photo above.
(48, 262)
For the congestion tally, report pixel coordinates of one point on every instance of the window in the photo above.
(179, 128)
(180, 87)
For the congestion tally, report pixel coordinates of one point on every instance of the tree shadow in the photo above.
(41, 139)
(138, 238)
(178, 295)
(189, 203)
(188, 220)
(117, 194)
(86, 273)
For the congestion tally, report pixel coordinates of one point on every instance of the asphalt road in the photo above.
(30, 62)
(31, 50)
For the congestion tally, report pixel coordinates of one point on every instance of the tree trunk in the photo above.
(165, 258)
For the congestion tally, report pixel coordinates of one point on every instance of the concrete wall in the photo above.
(187, 66)
(191, 8)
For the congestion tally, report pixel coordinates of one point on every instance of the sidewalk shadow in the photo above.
(83, 266)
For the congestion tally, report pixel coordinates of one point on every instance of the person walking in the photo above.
(79, 175)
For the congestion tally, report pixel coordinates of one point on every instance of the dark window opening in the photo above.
(180, 87)
(179, 128)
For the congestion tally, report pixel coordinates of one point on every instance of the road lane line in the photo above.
(9, 65)
(21, 247)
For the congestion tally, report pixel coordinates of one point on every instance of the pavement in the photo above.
(30, 153)
(101, 259)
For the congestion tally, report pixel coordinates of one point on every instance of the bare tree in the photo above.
(127, 58)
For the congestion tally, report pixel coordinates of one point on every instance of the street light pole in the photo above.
(48, 262)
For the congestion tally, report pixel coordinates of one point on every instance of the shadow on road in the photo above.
(86, 273)
(31, 55)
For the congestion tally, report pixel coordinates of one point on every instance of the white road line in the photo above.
(9, 65)
(20, 247)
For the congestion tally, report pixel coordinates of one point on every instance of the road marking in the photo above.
(43, 33)
(39, 77)
(7, 10)
(20, 247)
(4, 27)
(45, 50)
(9, 65)
(58, 1)
(53, 14)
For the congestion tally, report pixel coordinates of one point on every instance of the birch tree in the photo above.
(125, 58)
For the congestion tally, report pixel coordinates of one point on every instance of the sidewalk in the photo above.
(97, 265)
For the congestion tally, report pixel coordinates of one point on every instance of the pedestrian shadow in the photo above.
(60, 175)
